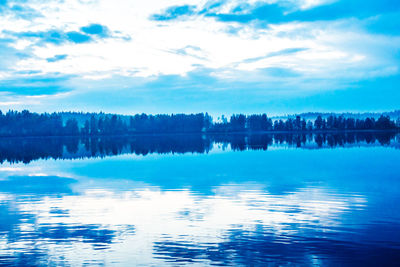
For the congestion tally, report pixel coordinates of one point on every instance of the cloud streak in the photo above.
(86, 34)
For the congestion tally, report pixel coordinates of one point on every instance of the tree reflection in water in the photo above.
(25, 150)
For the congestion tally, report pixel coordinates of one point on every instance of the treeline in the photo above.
(25, 123)
(257, 123)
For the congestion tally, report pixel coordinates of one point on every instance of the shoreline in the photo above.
(305, 132)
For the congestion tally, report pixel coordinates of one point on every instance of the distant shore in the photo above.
(28, 124)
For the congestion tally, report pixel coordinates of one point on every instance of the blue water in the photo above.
(286, 205)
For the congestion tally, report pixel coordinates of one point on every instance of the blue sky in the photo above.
(219, 56)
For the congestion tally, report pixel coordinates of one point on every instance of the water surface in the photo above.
(328, 199)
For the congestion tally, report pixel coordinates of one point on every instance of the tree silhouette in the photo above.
(25, 123)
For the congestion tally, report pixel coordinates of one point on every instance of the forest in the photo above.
(25, 123)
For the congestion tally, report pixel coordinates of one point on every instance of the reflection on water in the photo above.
(28, 149)
(225, 207)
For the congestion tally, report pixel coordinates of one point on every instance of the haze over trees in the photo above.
(25, 123)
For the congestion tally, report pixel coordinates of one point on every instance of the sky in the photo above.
(181, 56)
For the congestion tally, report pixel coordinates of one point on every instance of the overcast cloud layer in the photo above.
(190, 56)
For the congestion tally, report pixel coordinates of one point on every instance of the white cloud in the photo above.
(148, 52)
(306, 4)
(140, 47)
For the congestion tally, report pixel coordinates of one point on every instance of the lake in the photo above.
(323, 199)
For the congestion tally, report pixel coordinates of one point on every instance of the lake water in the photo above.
(197, 200)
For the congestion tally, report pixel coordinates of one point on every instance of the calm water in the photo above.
(195, 200)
